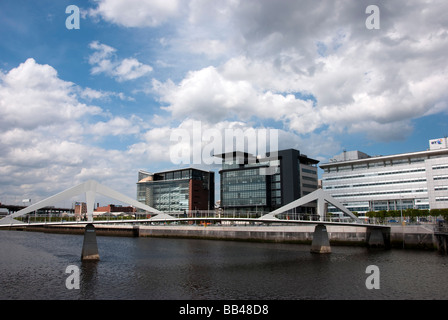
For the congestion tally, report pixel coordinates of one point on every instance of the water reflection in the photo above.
(33, 267)
(89, 279)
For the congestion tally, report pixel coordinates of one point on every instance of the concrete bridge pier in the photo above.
(90, 246)
(320, 243)
(378, 237)
(442, 243)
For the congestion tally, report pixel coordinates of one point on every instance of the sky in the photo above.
(104, 99)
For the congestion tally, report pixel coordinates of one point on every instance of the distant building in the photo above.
(115, 208)
(349, 155)
(80, 210)
(177, 190)
(244, 188)
(371, 183)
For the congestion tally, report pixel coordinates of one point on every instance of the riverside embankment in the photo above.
(408, 236)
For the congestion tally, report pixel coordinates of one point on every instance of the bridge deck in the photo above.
(16, 223)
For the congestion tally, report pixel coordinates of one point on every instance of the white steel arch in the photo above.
(90, 188)
(321, 196)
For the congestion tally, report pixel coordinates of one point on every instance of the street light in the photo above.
(401, 214)
(401, 210)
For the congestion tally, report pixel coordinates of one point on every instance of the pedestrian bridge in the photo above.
(377, 234)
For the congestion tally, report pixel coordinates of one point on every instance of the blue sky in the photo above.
(100, 102)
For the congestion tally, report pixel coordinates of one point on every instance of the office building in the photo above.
(245, 188)
(177, 190)
(364, 183)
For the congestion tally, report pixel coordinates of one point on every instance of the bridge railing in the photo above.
(251, 215)
(196, 214)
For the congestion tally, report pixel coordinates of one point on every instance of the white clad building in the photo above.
(409, 180)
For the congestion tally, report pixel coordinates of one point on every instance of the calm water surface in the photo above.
(33, 264)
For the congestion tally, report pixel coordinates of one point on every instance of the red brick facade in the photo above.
(114, 208)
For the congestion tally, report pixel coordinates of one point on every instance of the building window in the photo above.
(444, 177)
(359, 166)
(309, 171)
(444, 166)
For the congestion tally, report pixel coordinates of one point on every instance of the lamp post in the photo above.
(401, 210)
(401, 214)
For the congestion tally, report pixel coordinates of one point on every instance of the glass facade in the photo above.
(244, 188)
(176, 191)
(402, 181)
(168, 195)
(276, 188)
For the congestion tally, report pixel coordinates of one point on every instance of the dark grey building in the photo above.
(245, 186)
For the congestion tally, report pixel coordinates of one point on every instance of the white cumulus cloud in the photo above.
(32, 95)
(136, 13)
(47, 135)
(105, 61)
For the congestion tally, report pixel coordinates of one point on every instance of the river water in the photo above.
(33, 266)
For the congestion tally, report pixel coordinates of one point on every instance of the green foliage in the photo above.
(439, 212)
(410, 214)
